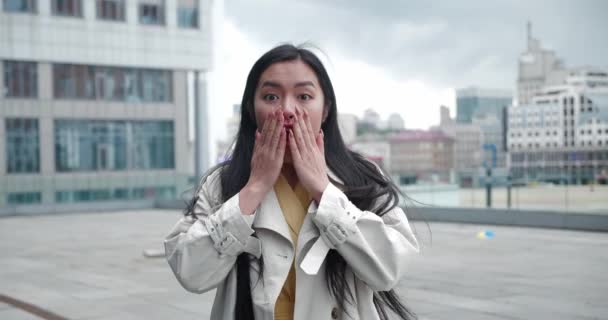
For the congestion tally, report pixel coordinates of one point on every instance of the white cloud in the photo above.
(358, 85)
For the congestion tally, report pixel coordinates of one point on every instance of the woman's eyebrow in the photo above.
(304, 84)
(277, 85)
(270, 84)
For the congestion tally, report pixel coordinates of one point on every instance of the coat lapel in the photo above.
(271, 217)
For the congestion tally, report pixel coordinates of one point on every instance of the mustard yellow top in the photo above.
(294, 204)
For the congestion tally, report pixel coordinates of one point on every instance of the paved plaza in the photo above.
(91, 266)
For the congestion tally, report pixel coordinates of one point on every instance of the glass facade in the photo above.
(118, 194)
(93, 145)
(113, 10)
(152, 12)
(22, 145)
(69, 8)
(187, 14)
(23, 198)
(20, 79)
(20, 5)
(72, 81)
(467, 107)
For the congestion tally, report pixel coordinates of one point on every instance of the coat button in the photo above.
(334, 313)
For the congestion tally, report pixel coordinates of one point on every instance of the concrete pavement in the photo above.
(91, 266)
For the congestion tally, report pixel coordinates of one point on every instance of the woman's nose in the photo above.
(289, 112)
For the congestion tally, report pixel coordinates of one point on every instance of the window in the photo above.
(187, 13)
(96, 145)
(152, 12)
(87, 195)
(113, 10)
(20, 79)
(70, 8)
(20, 6)
(22, 145)
(111, 83)
(23, 198)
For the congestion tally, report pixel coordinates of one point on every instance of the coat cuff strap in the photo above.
(313, 260)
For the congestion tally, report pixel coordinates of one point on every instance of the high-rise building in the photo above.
(95, 99)
(538, 67)
(484, 108)
(562, 134)
(474, 101)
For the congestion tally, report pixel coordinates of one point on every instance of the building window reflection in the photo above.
(69, 8)
(113, 10)
(20, 79)
(26, 6)
(152, 12)
(22, 145)
(118, 194)
(96, 145)
(23, 198)
(187, 13)
(111, 83)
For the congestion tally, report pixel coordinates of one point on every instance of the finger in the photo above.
(311, 134)
(282, 143)
(299, 139)
(303, 131)
(295, 153)
(268, 126)
(258, 138)
(276, 133)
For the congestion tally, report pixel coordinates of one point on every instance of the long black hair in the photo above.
(362, 182)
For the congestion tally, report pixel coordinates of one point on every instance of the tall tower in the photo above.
(538, 67)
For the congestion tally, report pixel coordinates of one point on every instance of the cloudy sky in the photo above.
(408, 56)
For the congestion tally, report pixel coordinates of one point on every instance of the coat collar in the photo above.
(270, 216)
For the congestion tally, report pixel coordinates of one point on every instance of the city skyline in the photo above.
(416, 60)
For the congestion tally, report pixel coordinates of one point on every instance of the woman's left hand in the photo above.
(308, 155)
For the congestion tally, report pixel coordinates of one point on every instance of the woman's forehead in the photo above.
(288, 74)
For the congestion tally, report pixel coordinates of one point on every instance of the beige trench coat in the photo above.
(202, 253)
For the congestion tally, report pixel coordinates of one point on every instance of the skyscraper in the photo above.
(538, 67)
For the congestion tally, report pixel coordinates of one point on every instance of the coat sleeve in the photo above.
(375, 248)
(202, 251)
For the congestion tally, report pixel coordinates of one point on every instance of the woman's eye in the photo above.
(305, 97)
(270, 97)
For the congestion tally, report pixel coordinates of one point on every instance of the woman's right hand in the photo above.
(266, 162)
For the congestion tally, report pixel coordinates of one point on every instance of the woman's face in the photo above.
(286, 86)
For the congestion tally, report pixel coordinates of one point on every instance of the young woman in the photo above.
(294, 225)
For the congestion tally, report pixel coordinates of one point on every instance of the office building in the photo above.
(562, 134)
(97, 99)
